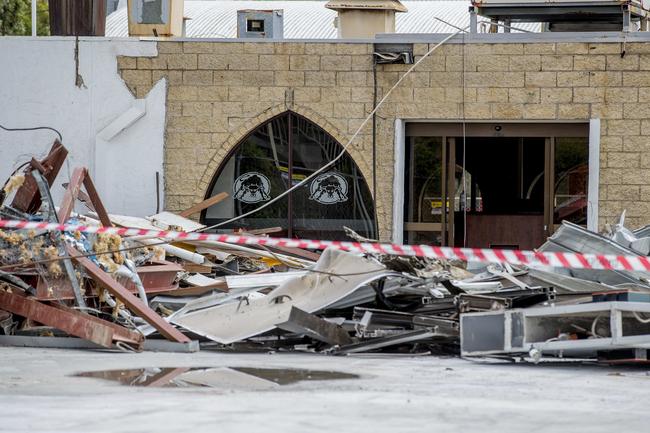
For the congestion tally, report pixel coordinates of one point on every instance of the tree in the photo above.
(16, 18)
(12, 13)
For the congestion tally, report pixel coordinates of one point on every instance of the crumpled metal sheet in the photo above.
(316, 290)
(573, 238)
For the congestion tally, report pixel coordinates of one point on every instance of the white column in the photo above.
(398, 182)
(34, 17)
(594, 175)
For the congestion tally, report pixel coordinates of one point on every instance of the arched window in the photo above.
(281, 153)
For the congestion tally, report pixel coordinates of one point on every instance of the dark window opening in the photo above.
(277, 155)
(255, 26)
(571, 180)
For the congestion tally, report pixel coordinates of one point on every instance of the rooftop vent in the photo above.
(568, 15)
(260, 24)
(156, 17)
(365, 18)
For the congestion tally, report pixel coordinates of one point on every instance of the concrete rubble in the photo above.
(80, 290)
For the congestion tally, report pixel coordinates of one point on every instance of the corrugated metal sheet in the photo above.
(305, 19)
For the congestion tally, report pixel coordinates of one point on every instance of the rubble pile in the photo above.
(73, 289)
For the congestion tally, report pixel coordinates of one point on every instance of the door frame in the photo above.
(508, 127)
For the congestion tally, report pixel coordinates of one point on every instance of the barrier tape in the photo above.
(555, 259)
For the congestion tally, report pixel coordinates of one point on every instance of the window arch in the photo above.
(278, 154)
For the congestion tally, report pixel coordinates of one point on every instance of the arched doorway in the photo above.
(278, 154)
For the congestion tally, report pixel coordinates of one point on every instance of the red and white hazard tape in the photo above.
(555, 259)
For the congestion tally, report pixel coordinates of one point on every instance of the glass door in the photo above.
(429, 185)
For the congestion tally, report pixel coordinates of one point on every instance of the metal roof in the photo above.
(304, 19)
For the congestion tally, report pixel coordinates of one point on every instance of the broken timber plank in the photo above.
(134, 303)
(298, 252)
(204, 204)
(70, 321)
(260, 232)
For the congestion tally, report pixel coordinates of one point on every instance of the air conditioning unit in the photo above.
(569, 15)
(267, 24)
(643, 3)
(156, 17)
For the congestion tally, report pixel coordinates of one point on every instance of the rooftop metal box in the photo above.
(569, 15)
(156, 17)
(268, 24)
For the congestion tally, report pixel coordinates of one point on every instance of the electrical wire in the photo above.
(82, 255)
(125, 249)
(36, 128)
(345, 148)
(638, 317)
(282, 195)
(593, 327)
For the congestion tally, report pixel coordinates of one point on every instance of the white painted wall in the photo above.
(37, 88)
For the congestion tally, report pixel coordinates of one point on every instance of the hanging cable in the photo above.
(36, 128)
(347, 145)
(464, 118)
(374, 143)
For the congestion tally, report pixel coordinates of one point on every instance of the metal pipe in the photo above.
(129, 271)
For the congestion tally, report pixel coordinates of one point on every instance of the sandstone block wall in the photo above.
(219, 91)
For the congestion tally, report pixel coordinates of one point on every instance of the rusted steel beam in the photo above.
(67, 204)
(134, 303)
(73, 191)
(28, 198)
(156, 278)
(70, 321)
(96, 201)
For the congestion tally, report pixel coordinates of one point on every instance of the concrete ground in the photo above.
(394, 394)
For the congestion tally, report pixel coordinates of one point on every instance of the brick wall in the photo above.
(219, 91)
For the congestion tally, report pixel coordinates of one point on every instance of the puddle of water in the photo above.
(218, 377)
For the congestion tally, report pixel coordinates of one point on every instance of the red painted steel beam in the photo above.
(69, 321)
(28, 198)
(67, 204)
(134, 303)
(96, 201)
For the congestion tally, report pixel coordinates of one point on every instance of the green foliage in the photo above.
(16, 18)
(12, 13)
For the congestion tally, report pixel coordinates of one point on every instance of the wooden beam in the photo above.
(204, 204)
(298, 252)
(135, 304)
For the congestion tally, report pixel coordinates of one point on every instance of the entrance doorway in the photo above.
(496, 186)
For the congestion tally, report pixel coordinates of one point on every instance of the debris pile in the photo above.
(86, 289)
